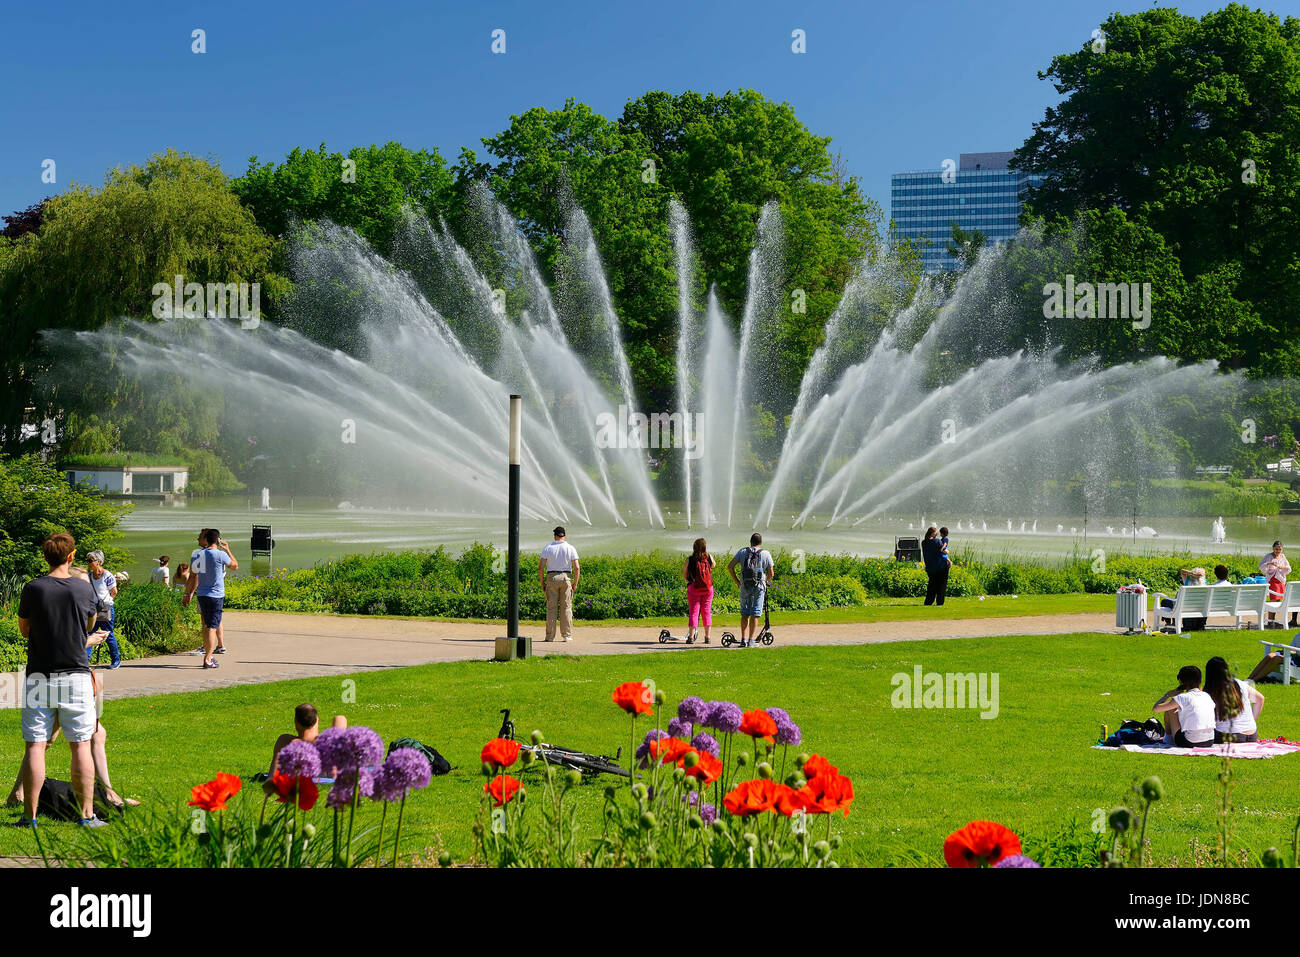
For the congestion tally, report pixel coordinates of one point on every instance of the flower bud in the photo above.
(764, 770)
(750, 838)
(822, 850)
(527, 757)
(795, 780)
(742, 759)
(647, 821)
(801, 760)
(679, 773)
(1273, 858)
(1120, 819)
(692, 758)
(836, 841)
(488, 769)
(695, 822)
(309, 831)
(1153, 789)
(536, 737)
(660, 697)
(639, 791)
(609, 792)
(444, 859)
(573, 778)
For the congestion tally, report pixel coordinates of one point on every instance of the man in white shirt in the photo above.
(558, 573)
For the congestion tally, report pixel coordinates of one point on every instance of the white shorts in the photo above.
(68, 697)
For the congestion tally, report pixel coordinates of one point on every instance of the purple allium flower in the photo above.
(680, 728)
(1017, 860)
(643, 750)
(693, 709)
(788, 734)
(723, 716)
(299, 759)
(708, 813)
(706, 742)
(347, 749)
(406, 769)
(340, 795)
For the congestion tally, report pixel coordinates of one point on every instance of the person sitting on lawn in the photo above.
(306, 723)
(1189, 711)
(1236, 704)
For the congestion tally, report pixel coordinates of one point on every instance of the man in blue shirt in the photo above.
(208, 579)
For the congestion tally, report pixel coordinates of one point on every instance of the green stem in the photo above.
(352, 814)
(1142, 834)
(334, 857)
(383, 816)
(401, 809)
(288, 833)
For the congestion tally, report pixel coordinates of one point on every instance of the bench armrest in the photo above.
(1279, 644)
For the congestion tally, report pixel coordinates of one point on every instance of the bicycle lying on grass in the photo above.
(564, 757)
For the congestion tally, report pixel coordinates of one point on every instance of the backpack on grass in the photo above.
(437, 763)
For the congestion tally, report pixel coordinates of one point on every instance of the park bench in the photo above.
(1288, 604)
(1213, 601)
(1287, 652)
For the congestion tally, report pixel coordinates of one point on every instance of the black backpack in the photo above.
(752, 569)
(437, 763)
(59, 802)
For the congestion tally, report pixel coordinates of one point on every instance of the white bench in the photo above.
(1288, 604)
(1213, 601)
(1288, 669)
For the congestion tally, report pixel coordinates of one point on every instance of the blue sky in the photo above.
(898, 86)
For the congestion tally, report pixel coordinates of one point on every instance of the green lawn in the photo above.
(919, 774)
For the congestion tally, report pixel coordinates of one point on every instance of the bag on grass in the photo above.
(437, 763)
(59, 802)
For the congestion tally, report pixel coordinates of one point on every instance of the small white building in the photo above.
(144, 480)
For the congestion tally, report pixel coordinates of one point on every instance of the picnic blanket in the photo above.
(1270, 748)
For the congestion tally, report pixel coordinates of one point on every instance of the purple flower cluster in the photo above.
(709, 813)
(347, 749)
(706, 742)
(340, 795)
(405, 770)
(680, 728)
(693, 710)
(643, 750)
(723, 716)
(1017, 860)
(299, 759)
(787, 732)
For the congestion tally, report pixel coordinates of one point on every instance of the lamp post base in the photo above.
(512, 649)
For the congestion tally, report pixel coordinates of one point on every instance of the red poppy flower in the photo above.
(500, 753)
(634, 697)
(752, 797)
(213, 795)
(285, 786)
(670, 750)
(827, 793)
(818, 765)
(788, 801)
(708, 770)
(502, 788)
(980, 844)
(758, 724)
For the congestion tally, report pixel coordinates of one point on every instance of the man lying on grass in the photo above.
(306, 723)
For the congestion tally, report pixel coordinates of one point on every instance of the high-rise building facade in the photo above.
(977, 193)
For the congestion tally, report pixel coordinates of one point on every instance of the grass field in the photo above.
(919, 774)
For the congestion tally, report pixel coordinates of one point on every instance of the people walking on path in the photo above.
(756, 568)
(208, 567)
(699, 590)
(55, 614)
(105, 584)
(558, 572)
(936, 567)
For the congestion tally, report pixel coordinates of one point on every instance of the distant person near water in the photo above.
(699, 589)
(1275, 568)
(936, 567)
(756, 569)
(208, 567)
(558, 572)
(183, 575)
(162, 574)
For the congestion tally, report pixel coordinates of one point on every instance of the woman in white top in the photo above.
(1236, 704)
(1189, 711)
(162, 573)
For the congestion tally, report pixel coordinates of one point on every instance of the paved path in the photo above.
(271, 647)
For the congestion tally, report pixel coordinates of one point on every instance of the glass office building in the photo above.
(979, 192)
